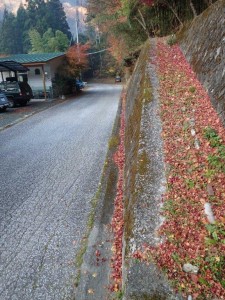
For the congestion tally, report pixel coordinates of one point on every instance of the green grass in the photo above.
(217, 160)
(172, 40)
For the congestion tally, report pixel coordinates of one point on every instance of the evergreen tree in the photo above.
(56, 17)
(36, 14)
(33, 20)
(21, 19)
(9, 42)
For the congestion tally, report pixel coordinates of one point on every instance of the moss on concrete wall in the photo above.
(135, 98)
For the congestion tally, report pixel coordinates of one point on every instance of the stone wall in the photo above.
(203, 44)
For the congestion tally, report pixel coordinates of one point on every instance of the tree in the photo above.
(49, 42)
(61, 40)
(42, 15)
(77, 59)
(36, 41)
(123, 32)
(56, 17)
(128, 23)
(9, 42)
(21, 19)
(36, 15)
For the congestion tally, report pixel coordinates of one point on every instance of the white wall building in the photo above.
(42, 70)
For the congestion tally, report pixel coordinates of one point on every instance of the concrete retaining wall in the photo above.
(204, 47)
(144, 183)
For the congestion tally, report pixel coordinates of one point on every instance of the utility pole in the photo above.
(76, 23)
(77, 34)
(77, 37)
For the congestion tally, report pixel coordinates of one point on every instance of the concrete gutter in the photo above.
(94, 279)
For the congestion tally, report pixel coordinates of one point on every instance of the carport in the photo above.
(12, 66)
(42, 70)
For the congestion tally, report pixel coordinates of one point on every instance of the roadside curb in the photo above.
(19, 120)
(93, 281)
(26, 116)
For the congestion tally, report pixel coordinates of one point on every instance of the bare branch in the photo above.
(193, 9)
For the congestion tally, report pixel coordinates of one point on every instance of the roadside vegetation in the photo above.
(127, 24)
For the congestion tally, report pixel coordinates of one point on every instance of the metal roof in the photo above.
(33, 58)
(10, 65)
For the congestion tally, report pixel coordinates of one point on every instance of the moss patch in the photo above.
(114, 141)
(84, 241)
(143, 162)
(135, 163)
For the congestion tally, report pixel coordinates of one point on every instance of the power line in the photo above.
(98, 51)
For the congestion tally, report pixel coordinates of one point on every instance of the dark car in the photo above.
(79, 85)
(18, 93)
(4, 103)
(117, 78)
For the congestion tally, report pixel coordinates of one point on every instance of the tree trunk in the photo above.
(142, 22)
(174, 12)
(193, 9)
(208, 2)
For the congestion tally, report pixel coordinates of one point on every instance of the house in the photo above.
(42, 69)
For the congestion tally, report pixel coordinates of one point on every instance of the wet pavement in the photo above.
(51, 165)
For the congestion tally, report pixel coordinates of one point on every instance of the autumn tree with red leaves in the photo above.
(133, 21)
(77, 59)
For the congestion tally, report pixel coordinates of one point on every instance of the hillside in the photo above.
(168, 222)
(174, 172)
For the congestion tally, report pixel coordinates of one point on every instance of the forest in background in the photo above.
(120, 26)
(37, 22)
(41, 26)
(126, 24)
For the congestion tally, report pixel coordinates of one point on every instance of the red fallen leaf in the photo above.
(180, 154)
(117, 219)
(194, 278)
(210, 189)
(97, 253)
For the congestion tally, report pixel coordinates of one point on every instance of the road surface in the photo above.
(50, 168)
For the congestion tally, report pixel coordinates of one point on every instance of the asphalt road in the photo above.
(50, 168)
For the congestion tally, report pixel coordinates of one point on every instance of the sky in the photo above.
(69, 7)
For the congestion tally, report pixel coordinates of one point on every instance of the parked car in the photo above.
(4, 103)
(79, 85)
(117, 78)
(18, 93)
